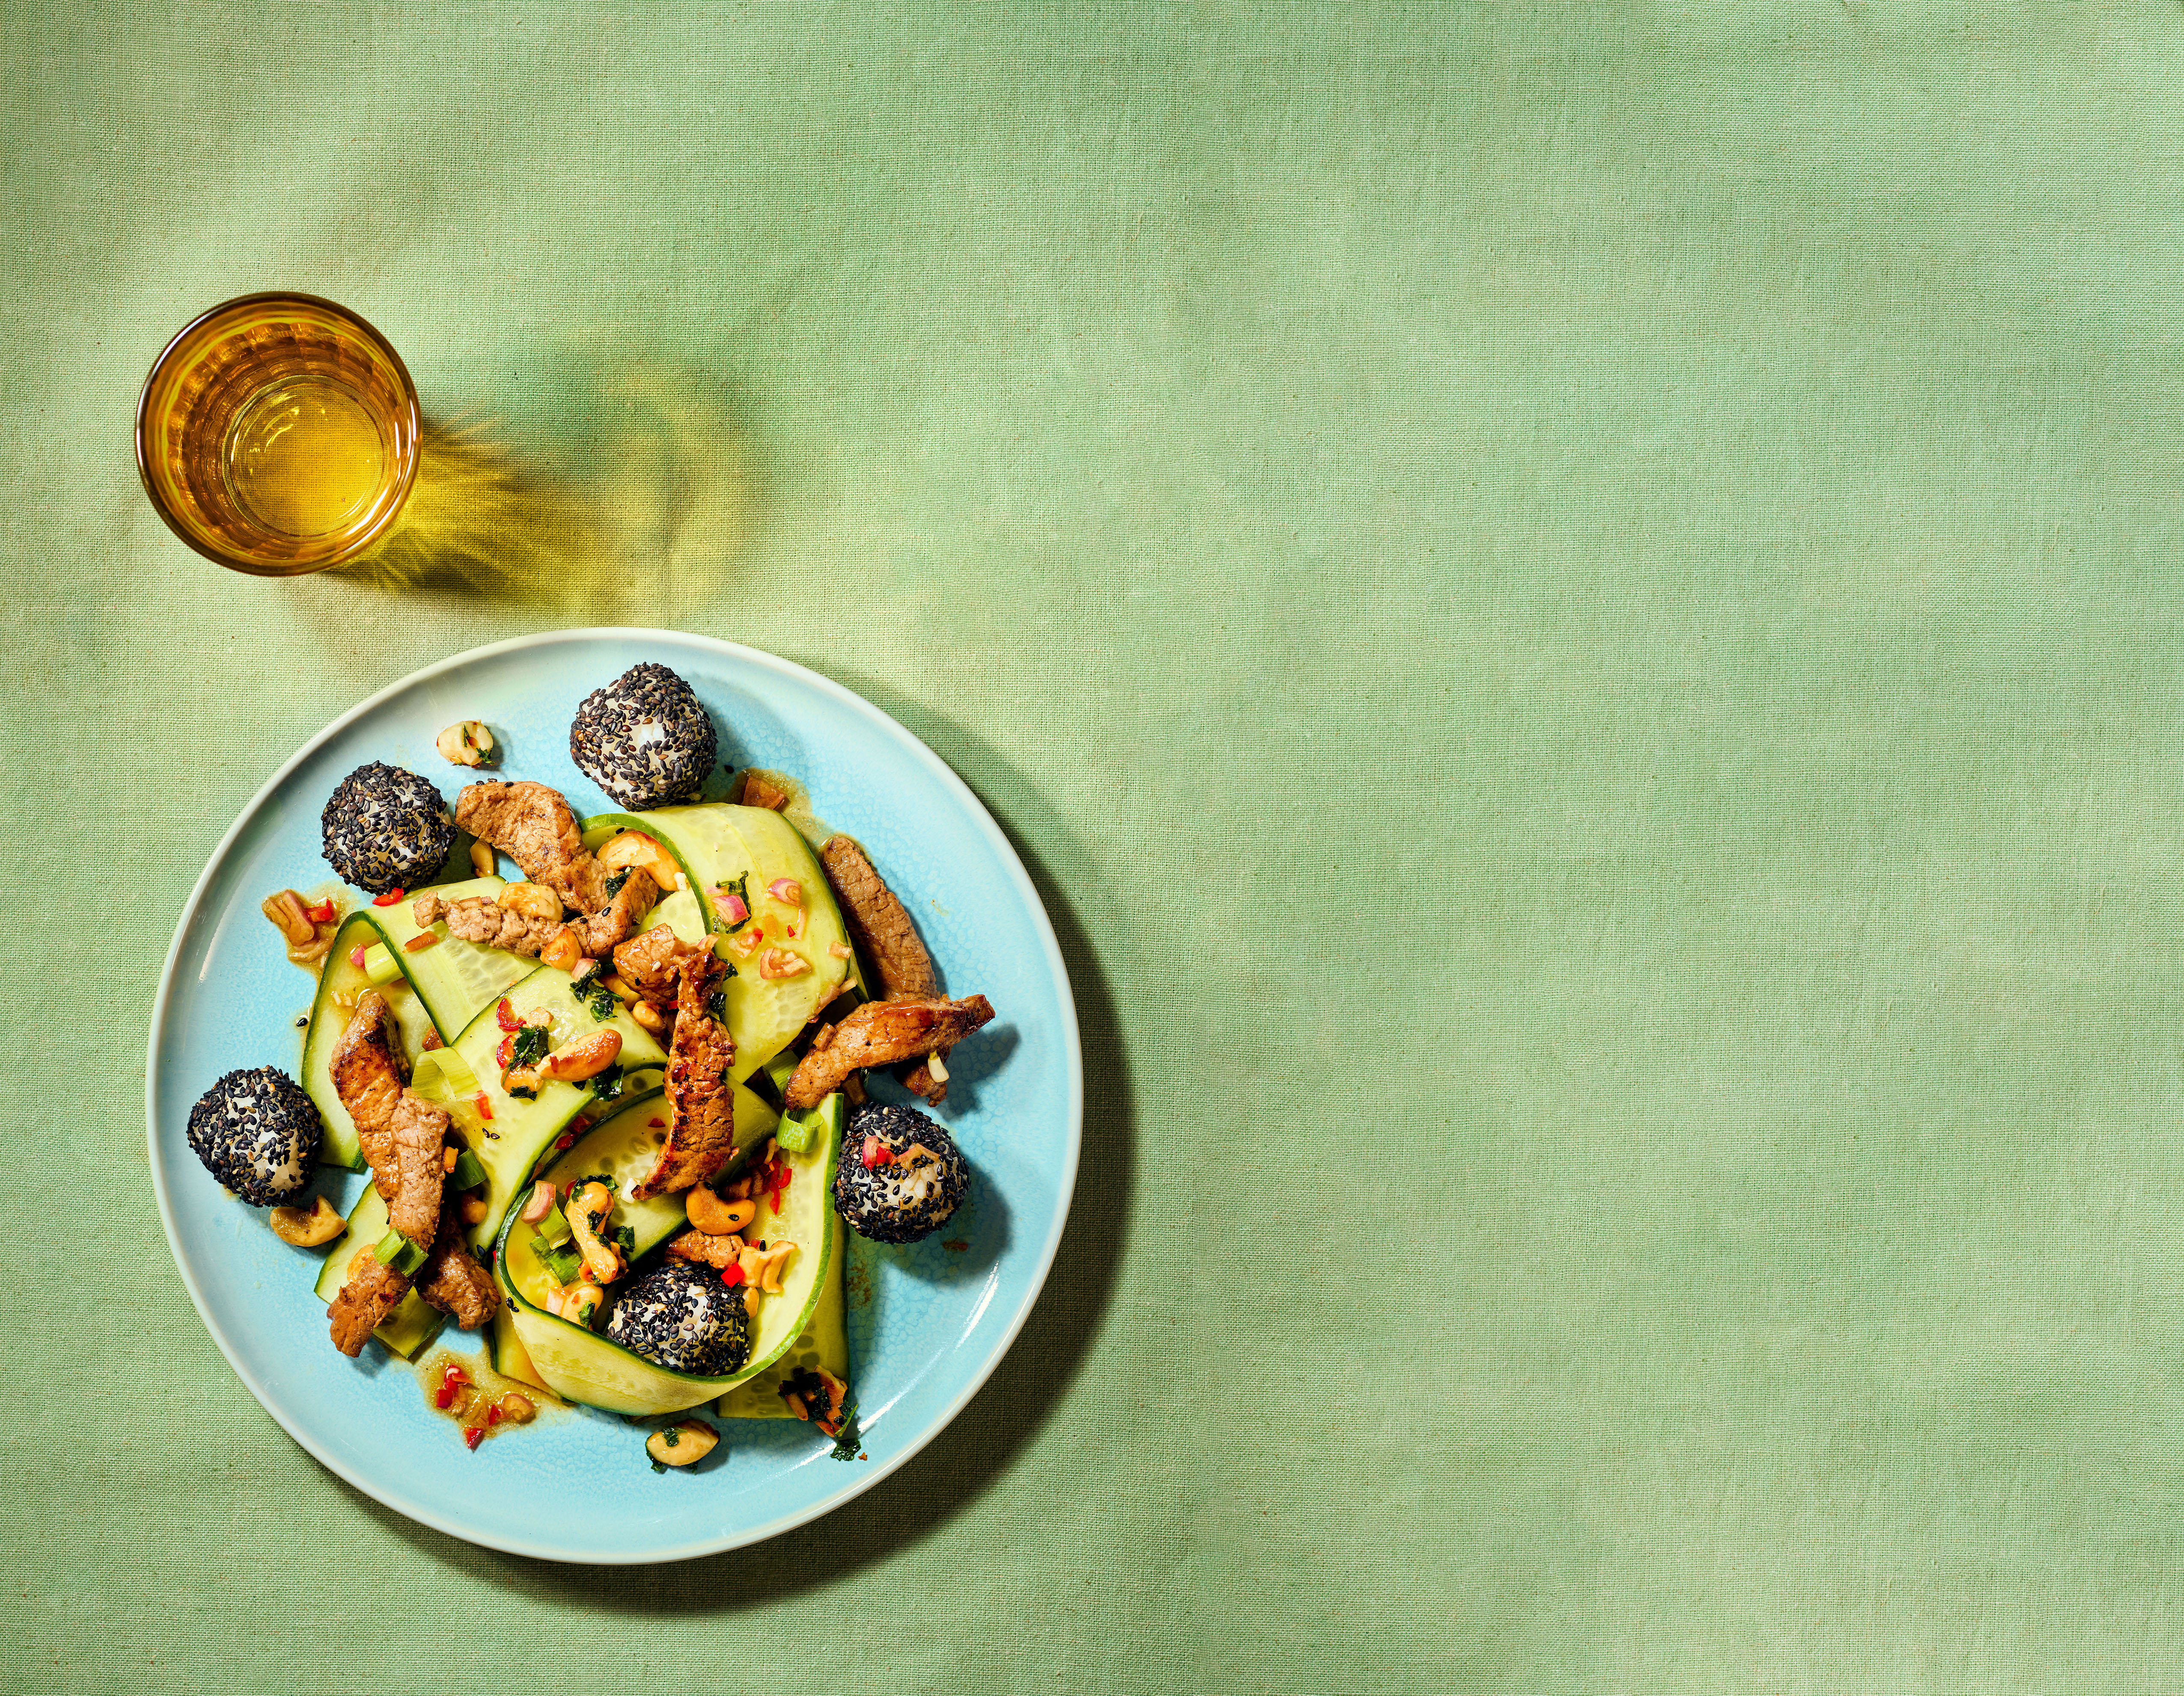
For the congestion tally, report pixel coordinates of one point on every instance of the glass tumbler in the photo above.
(278, 434)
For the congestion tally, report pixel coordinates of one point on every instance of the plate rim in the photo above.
(856, 1484)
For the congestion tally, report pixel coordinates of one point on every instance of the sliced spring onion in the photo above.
(469, 1173)
(380, 967)
(443, 1078)
(797, 1131)
(554, 1228)
(565, 1263)
(397, 1251)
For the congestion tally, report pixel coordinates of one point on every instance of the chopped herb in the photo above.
(626, 1240)
(717, 1005)
(592, 990)
(612, 888)
(602, 1179)
(529, 1045)
(657, 1467)
(845, 1445)
(674, 1437)
(520, 1094)
(607, 1084)
(741, 890)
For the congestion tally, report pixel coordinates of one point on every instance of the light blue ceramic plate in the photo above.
(928, 1324)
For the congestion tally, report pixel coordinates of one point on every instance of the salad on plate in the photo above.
(612, 1106)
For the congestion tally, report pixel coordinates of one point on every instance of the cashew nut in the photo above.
(684, 1443)
(634, 848)
(286, 909)
(563, 951)
(308, 1228)
(534, 901)
(484, 861)
(468, 744)
(716, 1217)
(602, 1259)
(587, 1059)
(576, 1305)
(648, 1015)
(762, 1267)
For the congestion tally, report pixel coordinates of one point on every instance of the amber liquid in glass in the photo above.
(278, 437)
(304, 457)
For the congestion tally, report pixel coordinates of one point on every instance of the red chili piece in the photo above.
(565, 1141)
(493, 1414)
(473, 1435)
(506, 1051)
(356, 956)
(484, 1107)
(506, 1016)
(321, 913)
(732, 1275)
(389, 899)
(451, 1381)
(875, 1153)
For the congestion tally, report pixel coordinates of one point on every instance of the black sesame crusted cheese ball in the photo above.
(258, 1133)
(900, 1196)
(386, 828)
(682, 1317)
(645, 739)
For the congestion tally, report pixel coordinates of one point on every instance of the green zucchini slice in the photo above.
(752, 847)
(413, 1324)
(340, 980)
(581, 1365)
(510, 1134)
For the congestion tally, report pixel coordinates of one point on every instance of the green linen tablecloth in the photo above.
(1576, 609)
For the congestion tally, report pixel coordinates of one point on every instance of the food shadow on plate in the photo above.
(969, 1064)
(982, 1443)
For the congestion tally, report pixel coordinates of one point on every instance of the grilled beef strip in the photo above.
(373, 1291)
(650, 964)
(879, 923)
(881, 1033)
(533, 825)
(453, 1281)
(881, 926)
(701, 1116)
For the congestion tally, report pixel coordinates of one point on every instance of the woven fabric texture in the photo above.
(1575, 610)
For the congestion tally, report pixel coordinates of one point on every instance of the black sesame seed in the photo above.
(385, 828)
(898, 1203)
(645, 738)
(682, 1317)
(258, 1133)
